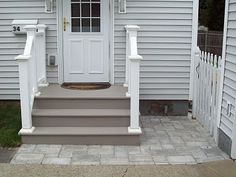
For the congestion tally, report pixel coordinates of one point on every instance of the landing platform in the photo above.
(55, 90)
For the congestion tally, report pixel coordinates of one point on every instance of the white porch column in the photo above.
(41, 55)
(25, 97)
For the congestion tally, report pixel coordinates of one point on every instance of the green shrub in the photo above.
(10, 124)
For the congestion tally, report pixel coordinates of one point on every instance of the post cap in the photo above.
(41, 26)
(135, 57)
(132, 27)
(22, 57)
(30, 27)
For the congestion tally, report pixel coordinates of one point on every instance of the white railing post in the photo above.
(133, 77)
(131, 49)
(134, 93)
(27, 79)
(41, 55)
(24, 79)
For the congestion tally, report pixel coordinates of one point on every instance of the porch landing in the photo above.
(166, 140)
(56, 91)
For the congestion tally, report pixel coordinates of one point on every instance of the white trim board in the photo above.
(59, 12)
(194, 44)
(223, 65)
(233, 148)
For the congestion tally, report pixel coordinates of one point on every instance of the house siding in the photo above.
(229, 87)
(164, 41)
(12, 45)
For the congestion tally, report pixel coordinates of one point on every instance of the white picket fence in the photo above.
(206, 89)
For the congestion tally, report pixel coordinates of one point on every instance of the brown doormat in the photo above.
(86, 86)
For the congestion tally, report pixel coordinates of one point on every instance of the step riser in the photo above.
(83, 140)
(81, 121)
(81, 104)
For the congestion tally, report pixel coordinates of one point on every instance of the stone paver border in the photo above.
(166, 140)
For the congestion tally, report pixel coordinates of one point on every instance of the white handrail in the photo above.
(28, 77)
(41, 55)
(132, 79)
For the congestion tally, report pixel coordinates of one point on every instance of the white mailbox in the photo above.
(18, 25)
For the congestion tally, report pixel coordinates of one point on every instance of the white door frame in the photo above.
(60, 48)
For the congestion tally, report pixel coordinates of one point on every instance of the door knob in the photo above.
(65, 23)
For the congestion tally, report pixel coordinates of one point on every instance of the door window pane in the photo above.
(85, 15)
(95, 25)
(85, 25)
(85, 10)
(75, 25)
(75, 10)
(95, 10)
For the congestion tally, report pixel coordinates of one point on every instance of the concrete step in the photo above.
(81, 136)
(81, 117)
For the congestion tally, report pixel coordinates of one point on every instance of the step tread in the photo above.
(83, 131)
(55, 91)
(81, 112)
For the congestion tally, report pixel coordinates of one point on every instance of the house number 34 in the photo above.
(16, 28)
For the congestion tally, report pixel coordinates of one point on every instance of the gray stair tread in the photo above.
(81, 112)
(57, 92)
(83, 131)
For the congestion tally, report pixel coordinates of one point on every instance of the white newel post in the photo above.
(133, 77)
(134, 94)
(131, 50)
(41, 55)
(27, 79)
(26, 119)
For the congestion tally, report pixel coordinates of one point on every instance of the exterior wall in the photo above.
(12, 45)
(228, 122)
(229, 87)
(164, 41)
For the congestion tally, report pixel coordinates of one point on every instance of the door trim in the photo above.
(60, 41)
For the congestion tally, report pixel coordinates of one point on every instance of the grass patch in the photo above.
(10, 124)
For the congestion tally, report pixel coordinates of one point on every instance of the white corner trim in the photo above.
(194, 45)
(59, 12)
(111, 41)
(233, 148)
(135, 131)
(24, 131)
(223, 62)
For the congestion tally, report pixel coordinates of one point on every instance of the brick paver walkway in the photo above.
(166, 140)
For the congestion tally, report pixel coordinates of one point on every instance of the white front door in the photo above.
(86, 40)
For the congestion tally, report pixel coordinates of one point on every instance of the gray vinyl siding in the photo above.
(12, 45)
(164, 41)
(229, 88)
